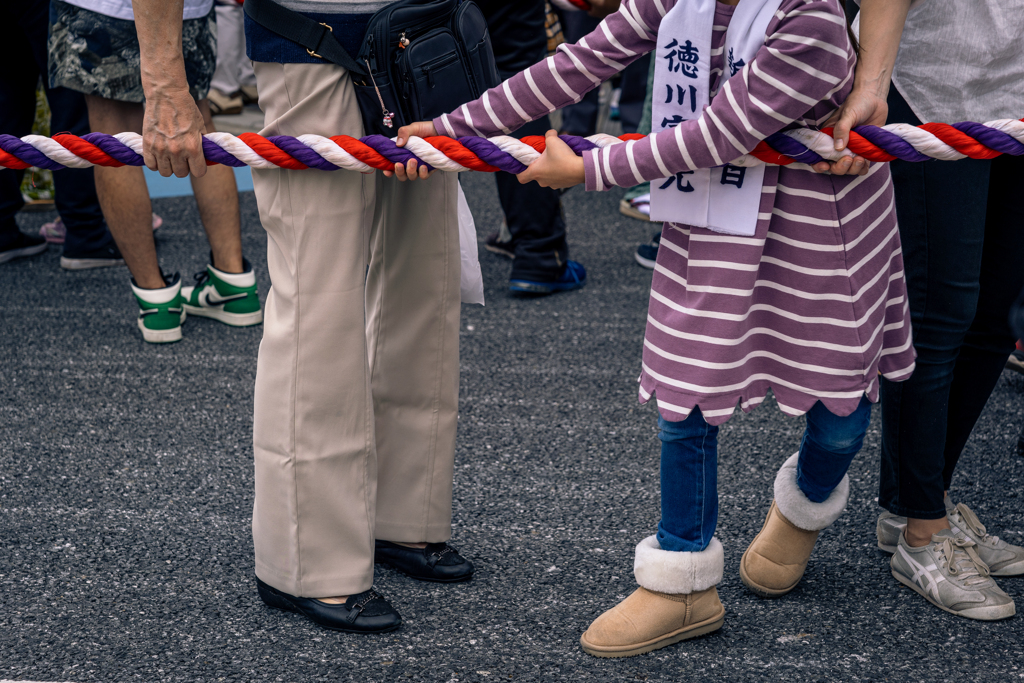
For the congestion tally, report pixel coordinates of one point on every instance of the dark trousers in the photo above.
(23, 52)
(581, 118)
(962, 228)
(535, 220)
(533, 213)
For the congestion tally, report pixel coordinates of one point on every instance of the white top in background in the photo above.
(122, 9)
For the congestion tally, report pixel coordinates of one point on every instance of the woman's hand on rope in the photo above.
(863, 106)
(557, 167)
(412, 170)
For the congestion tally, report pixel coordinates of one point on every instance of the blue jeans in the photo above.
(689, 469)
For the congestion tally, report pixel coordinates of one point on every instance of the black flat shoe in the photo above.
(367, 612)
(437, 562)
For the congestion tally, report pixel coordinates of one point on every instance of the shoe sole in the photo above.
(160, 336)
(422, 578)
(645, 262)
(703, 628)
(627, 209)
(1015, 569)
(275, 599)
(499, 251)
(232, 319)
(994, 613)
(23, 252)
(88, 263)
(525, 287)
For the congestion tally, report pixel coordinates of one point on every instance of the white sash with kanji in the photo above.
(726, 198)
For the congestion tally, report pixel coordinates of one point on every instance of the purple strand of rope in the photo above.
(215, 153)
(115, 148)
(27, 153)
(490, 153)
(304, 154)
(891, 143)
(784, 144)
(990, 137)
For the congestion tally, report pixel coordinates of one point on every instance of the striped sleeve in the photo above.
(805, 59)
(564, 78)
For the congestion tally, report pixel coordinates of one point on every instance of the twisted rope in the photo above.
(504, 153)
(572, 5)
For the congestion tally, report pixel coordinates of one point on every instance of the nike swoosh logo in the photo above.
(210, 301)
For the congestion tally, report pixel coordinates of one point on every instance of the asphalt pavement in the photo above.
(126, 492)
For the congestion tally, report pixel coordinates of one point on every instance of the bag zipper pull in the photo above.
(403, 42)
(388, 116)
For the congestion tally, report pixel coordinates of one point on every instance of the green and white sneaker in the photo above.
(228, 297)
(1002, 558)
(160, 311)
(949, 574)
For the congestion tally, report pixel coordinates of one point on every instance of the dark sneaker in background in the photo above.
(95, 258)
(22, 246)
(496, 245)
(1016, 361)
(573, 277)
(647, 254)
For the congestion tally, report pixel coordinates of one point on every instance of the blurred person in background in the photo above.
(80, 227)
(534, 232)
(234, 83)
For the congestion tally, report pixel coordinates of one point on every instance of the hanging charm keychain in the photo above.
(388, 116)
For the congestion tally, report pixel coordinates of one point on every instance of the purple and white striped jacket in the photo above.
(814, 305)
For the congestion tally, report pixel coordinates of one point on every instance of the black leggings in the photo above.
(962, 228)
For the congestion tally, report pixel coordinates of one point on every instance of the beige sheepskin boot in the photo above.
(676, 600)
(776, 559)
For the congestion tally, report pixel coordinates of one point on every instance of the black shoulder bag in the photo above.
(419, 58)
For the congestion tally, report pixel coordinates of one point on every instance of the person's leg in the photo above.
(941, 209)
(811, 492)
(535, 221)
(229, 37)
(689, 483)
(87, 236)
(313, 429)
(123, 194)
(679, 568)
(217, 197)
(829, 445)
(17, 111)
(580, 118)
(634, 93)
(989, 340)
(75, 189)
(412, 329)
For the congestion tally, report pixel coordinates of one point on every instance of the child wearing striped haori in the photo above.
(767, 277)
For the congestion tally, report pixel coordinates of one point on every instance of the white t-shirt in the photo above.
(963, 60)
(122, 9)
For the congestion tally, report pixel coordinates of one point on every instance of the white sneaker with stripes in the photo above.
(1002, 558)
(949, 574)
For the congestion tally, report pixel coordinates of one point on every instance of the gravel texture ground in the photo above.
(126, 492)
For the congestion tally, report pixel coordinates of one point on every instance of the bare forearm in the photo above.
(158, 23)
(881, 27)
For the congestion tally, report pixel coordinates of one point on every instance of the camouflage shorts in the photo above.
(99, 55)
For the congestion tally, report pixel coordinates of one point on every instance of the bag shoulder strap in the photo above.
(317, 38)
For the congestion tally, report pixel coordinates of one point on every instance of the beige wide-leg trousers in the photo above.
(357, 379)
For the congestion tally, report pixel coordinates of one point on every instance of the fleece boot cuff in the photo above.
(798, 509)
(674, 572)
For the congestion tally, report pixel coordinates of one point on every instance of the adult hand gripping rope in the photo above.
(504, 153)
